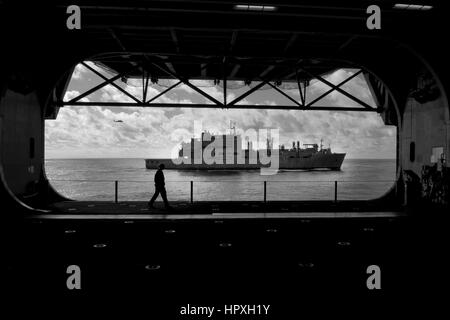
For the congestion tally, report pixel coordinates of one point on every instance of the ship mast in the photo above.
(233, 127)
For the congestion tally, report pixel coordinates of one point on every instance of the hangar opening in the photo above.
(114, 128)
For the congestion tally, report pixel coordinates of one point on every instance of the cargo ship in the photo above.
(203, 154)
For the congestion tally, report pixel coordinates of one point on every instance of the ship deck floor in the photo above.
(219, 210)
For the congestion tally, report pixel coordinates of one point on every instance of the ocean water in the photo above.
(93, 179)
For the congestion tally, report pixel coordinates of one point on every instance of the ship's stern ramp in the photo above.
(184, 42)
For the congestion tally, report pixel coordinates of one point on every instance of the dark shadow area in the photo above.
(247, 208)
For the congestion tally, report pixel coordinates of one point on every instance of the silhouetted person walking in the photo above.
(159, 187)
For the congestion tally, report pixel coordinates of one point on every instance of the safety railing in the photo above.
(224, 190)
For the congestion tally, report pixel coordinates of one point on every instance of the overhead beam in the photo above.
(122, 46)
(212, 106)
(209, 11)
(345, 93)
(170, 66)
(255, 88)
(116, 38)
(284, 94)
(111, 83)
(378, 91)
(173, 35)
(302, 96)
(286, 5)
(233, 40)
(347, 43)
(145, 78)
(203, 70)
(224, 75)
(162, 65)
(234, 71)
(333, 89)
(267, 70)
(163, 92)
(101, 85)
(215, 28)
(290, 42)
(186, 82)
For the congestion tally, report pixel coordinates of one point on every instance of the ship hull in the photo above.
(331, 161)
(317, 161)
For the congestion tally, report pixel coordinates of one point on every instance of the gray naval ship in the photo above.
(230, 155)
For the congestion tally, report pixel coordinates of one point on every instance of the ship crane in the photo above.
(233, 127)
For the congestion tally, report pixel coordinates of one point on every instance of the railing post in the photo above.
(265, 191)
(116, 187)
(192, 192)
(335, 191)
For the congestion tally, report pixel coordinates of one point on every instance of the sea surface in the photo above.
(94, 179)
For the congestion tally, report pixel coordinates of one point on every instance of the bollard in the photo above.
(335, 191)
(265, 191)
(116, 184)
(192, 192)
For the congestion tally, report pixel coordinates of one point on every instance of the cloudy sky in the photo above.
(91, 132)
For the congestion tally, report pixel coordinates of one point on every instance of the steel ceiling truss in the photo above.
(264, 79)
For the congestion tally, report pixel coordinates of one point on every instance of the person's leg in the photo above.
(164, 196)
(155, 195)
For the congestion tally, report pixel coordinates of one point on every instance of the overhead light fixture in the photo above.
(248, 7)
(419, 7)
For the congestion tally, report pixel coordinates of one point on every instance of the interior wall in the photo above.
(425, 123)
(25, 89)
(21, 121)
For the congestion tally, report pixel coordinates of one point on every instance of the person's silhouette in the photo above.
(159, 187)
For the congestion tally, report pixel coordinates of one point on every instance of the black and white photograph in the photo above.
(196, 159)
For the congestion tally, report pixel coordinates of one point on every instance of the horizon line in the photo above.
(92, 158)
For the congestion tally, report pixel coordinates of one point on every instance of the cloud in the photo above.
(70, 94)
(78, 71)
